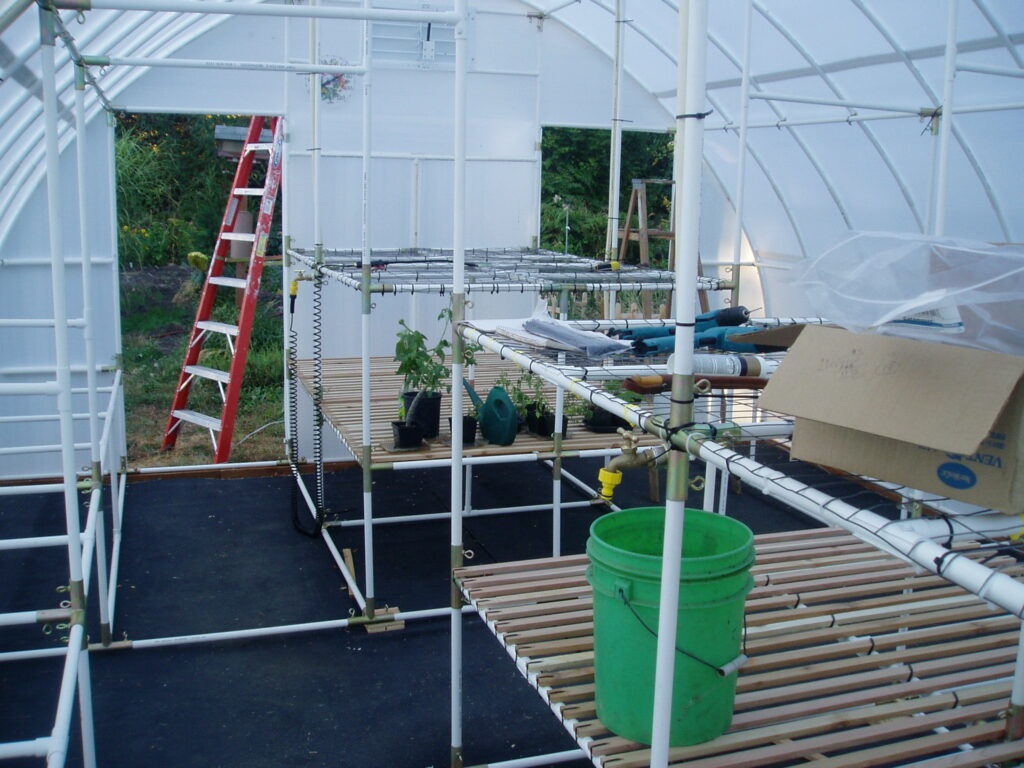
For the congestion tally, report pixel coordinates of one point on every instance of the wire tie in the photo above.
(910, 676)
(694, 115)
(949, 524)
(622, 594)
(686, 325)
(681, 402)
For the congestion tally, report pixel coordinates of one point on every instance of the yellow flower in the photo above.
(125, 227)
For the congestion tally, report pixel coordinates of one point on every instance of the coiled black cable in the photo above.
(300, 519)
(318, 393)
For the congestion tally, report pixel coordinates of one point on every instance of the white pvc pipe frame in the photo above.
(81, 546)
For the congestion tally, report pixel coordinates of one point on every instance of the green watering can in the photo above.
(497, 417)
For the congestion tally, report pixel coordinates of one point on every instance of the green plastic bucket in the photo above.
(625, 571)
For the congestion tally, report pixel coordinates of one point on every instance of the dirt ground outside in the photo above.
(158, 306)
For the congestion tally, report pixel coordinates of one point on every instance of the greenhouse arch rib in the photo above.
(1010, 48)
(760, 163)
(964, 145)
(870, 134)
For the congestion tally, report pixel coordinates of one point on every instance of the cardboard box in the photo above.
(936, 417)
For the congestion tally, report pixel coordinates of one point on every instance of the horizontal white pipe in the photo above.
(149, 61)
(203, 467)
(517, 458)
(967, 66)
(258, 9)
(70, 260)
(18, 618)
(994, 525)
(1005, 107)
(284, 629)
(447, 515)
(19, 449)
(787, 123)
(29, 388)
(29, 370)
(412, 156)
(39, 417)
(34, 748)
(239, 634)
(27, 490)
(20, 322)
(65, 703)
(213, 109)
(834, 102)
(33, 542)
(886, 534)
(39, 653)
(539, 761)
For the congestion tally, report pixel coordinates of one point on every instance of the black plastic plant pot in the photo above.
(406, 435)
(600, 421)
(468, 429)
(544, 425)
(427, 413)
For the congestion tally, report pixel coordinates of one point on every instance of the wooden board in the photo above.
(342, 409)
(849, 650)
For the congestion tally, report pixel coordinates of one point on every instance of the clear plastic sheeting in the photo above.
(934, 288)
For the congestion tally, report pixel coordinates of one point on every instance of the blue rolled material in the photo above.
(725, 339)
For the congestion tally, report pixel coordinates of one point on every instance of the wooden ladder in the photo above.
(229, 382)
(643, 235)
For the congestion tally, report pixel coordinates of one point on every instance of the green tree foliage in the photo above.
(575, 175)
(171, 186)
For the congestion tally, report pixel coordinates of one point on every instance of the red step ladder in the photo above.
(237, 336)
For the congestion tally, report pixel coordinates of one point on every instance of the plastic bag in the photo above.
(595, 345)
(934, 288)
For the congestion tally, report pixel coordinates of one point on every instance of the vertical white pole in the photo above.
(365, 321)
(58, 285)
(86, 253)
(689, 150)
(90, 349)
(286, 266)
(1017, 692)
(414, 209)
(615, 150)
(615, 156)
(741, 161)
(85, 708)
(314, 110)
(946, 126)
(458, 311)
(63, 366)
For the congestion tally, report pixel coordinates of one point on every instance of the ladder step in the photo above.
(193, 417)
(212, 325)
(206, 372)
(251, 191)
(243, 236)
(258, 147)
(229, 282)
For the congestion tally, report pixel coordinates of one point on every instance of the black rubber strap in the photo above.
(694, 115)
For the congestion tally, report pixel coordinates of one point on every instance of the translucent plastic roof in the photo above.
(864, 162)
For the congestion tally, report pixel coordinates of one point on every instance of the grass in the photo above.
(158, 308)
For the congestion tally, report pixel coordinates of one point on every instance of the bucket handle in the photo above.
(723, 671)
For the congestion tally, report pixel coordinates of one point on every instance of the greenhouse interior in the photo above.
(740, 482)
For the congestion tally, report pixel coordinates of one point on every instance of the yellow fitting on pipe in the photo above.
(615, 265)
(609, 479)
